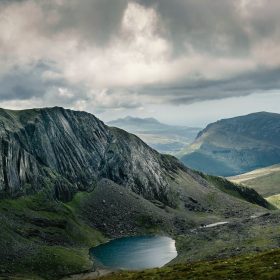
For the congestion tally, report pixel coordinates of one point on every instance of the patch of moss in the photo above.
(274, 200)
(238, 191)
(43, 238)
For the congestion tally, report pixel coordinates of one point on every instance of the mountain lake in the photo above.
(133, 253)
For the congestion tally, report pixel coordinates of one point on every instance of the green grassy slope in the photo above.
(221, 252)
(266, 181)
(254, 266)
(237, 190)
(274, 200)
(44, 239)
(229, 251)
(240, 236)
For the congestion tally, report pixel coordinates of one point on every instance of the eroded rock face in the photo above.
(67, 151)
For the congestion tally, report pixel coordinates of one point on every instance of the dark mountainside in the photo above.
(237, 145)
(69, 151)
(168, 139)
(69, 182)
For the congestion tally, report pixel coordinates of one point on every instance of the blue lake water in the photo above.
(138, 252)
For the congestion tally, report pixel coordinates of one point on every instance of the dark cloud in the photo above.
(260, 80)
(32, 81)
(25, 82)
(207, 26)
(95, 21)
(190, 38)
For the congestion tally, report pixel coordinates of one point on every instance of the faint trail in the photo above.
(214, 224)
(255, 216)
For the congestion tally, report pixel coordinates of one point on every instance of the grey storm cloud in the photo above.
(253, 82)
(105, 51)
(202, 24)
(261, 80)
(96, 21)
(25, 82)
(29, 82)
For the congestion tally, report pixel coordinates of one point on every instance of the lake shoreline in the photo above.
(134, 253)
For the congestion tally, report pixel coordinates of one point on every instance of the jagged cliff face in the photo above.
(69, 151)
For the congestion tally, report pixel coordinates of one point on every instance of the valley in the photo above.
(70, 182)
(166, 139)
(139, 140)
(234, 146)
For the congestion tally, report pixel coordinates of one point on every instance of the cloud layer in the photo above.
(103, 54)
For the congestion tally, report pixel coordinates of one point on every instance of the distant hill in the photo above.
(164, 138)
(266, 181)
(237, 145)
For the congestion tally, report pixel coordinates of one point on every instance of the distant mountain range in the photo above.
(236, 145)
(168, 139)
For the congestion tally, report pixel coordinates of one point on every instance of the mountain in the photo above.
(168, 139)
(69, 182)
(237, 145)
(265, 181)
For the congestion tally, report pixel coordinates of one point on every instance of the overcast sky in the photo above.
(182, 61)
